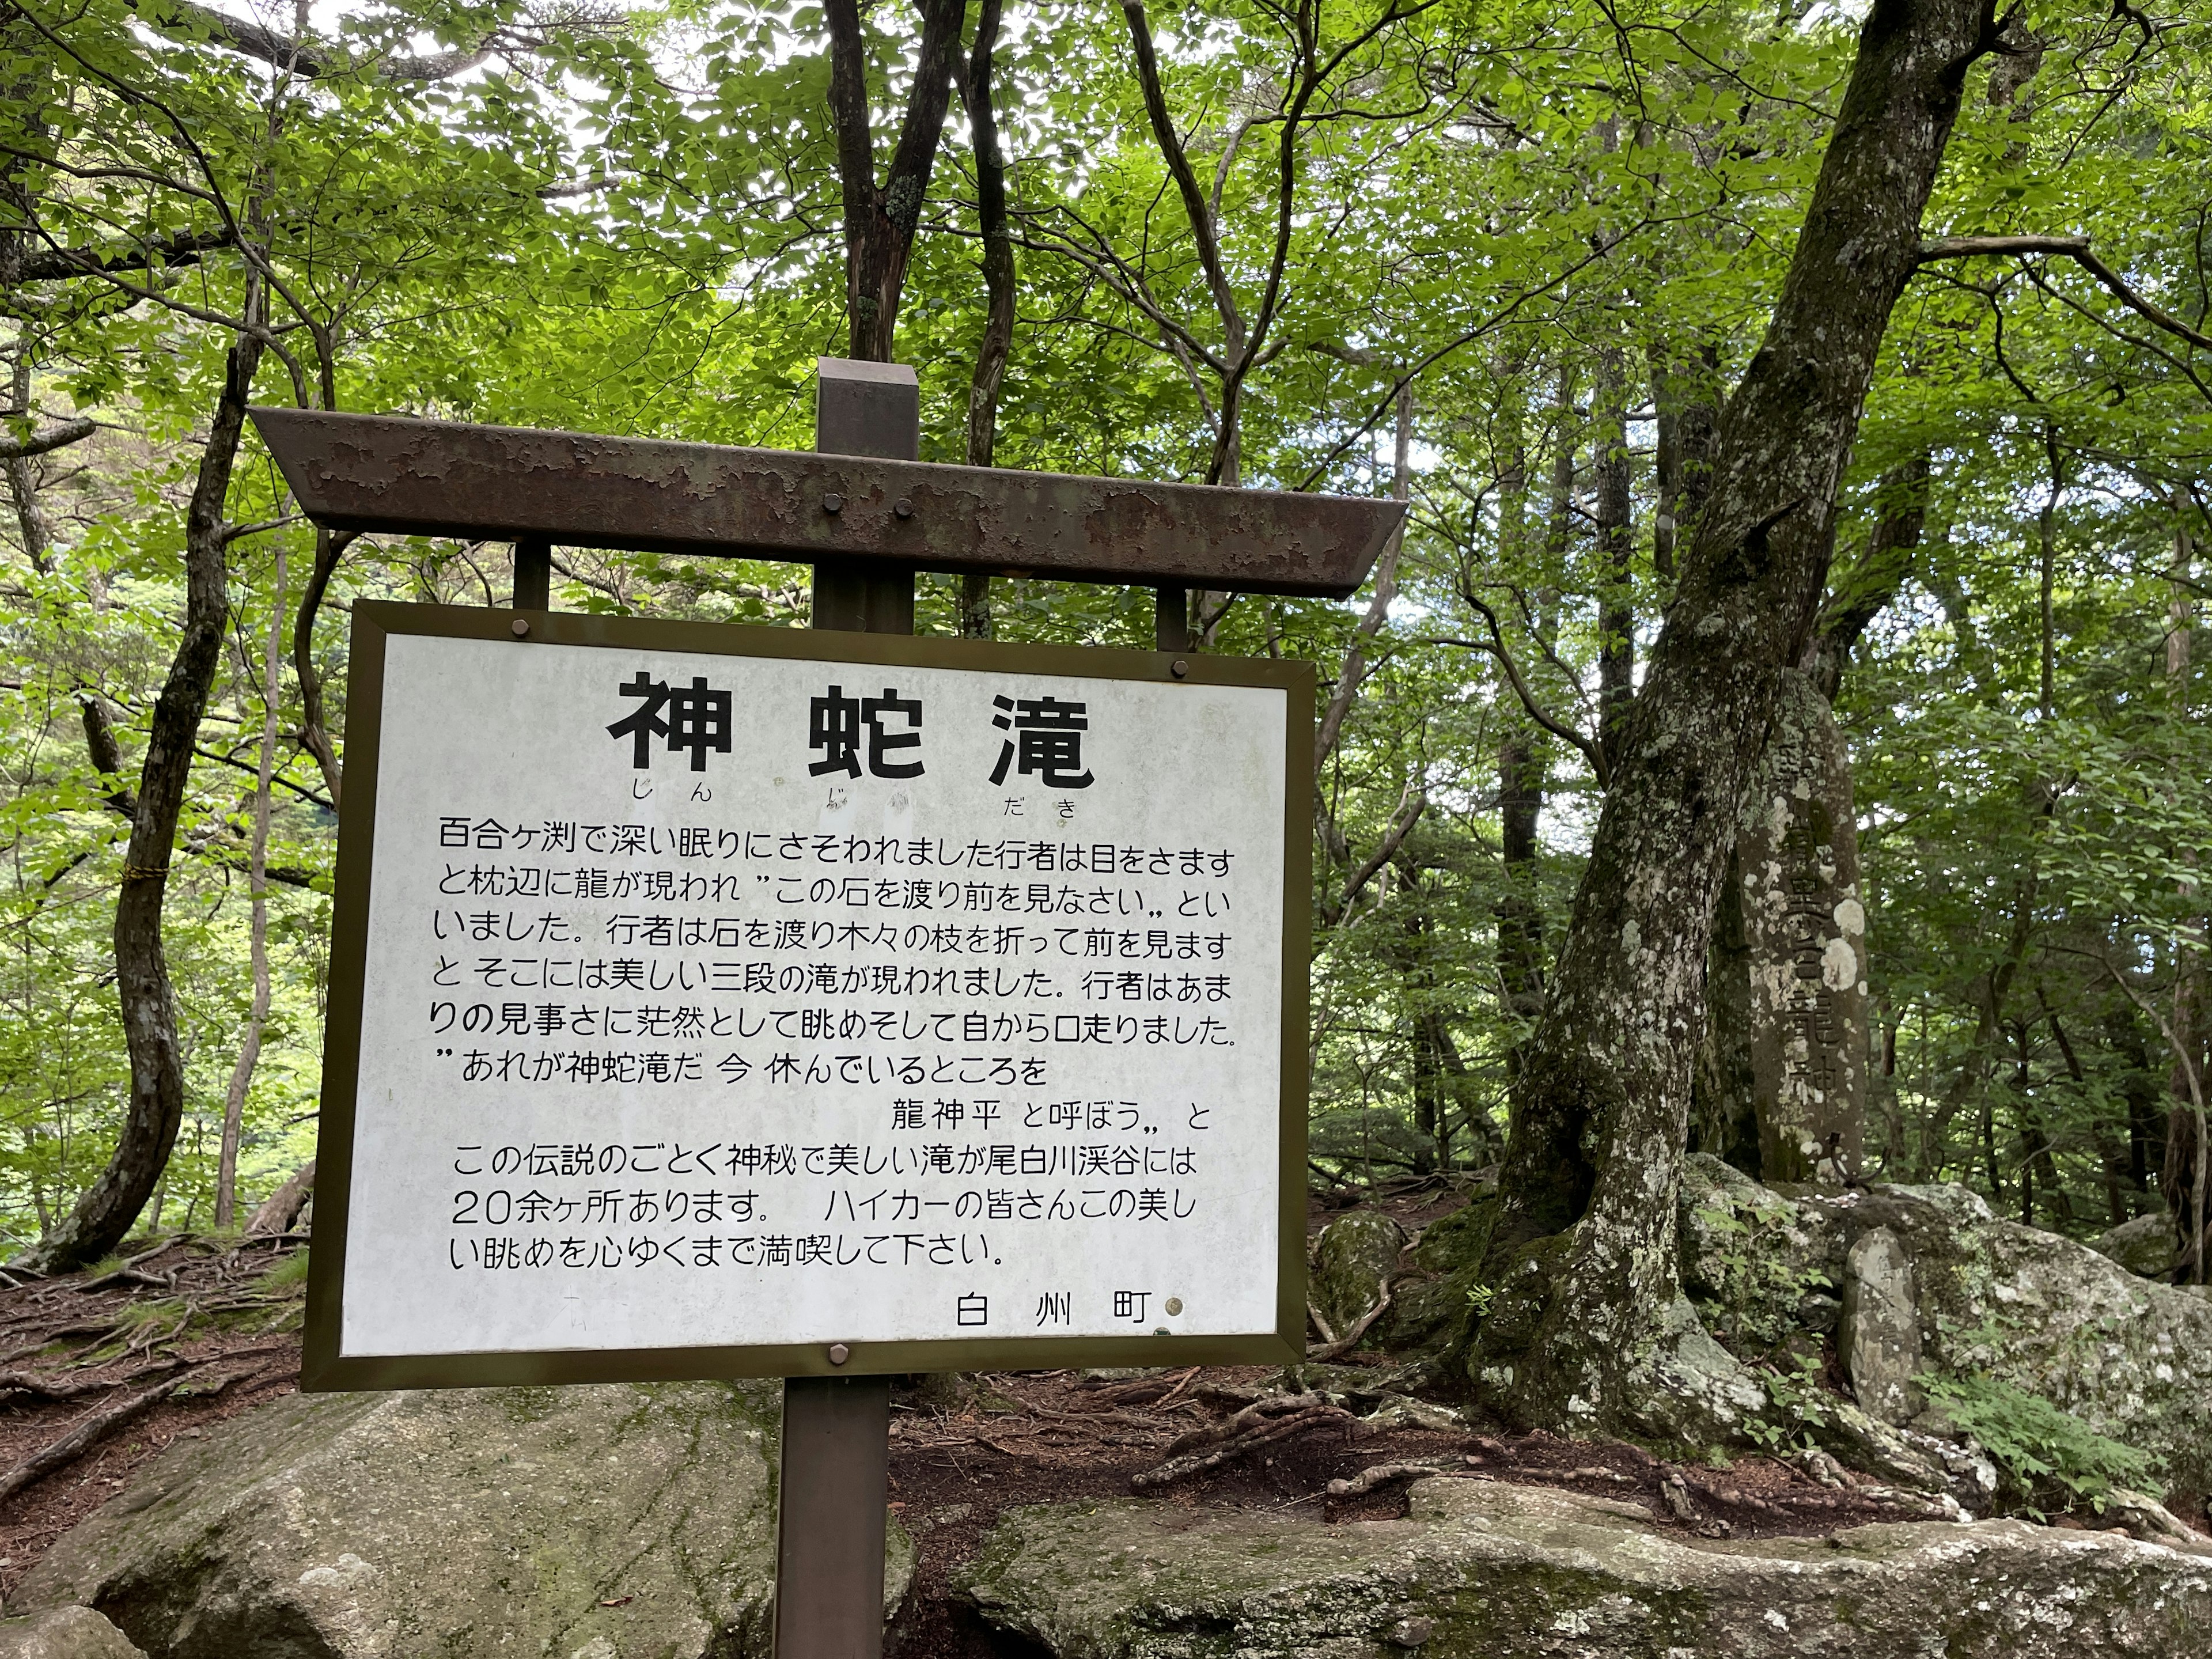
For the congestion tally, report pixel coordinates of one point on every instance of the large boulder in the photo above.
(2029, 1309)
(1431, 1307)
(1506, 1572)
(1353, 1261)
(620, 1521)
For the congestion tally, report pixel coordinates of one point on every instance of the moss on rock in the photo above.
(1480, 1570)
(2132, 1358)
(628, 1522)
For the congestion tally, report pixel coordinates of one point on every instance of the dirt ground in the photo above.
(207, 1331)
(184, 1336)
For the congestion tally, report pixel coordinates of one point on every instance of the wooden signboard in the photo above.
(712, 1002)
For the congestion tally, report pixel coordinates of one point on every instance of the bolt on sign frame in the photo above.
(867, 515)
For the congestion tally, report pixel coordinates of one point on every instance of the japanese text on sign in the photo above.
(737, 1000)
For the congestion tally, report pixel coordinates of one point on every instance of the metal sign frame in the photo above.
(374, 622)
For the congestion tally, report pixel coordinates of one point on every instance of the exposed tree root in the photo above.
(1257, 1426)
(89, 1429)
(1337, 1347)
(1382, 1474)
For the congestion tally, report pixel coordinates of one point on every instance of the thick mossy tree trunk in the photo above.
(107, 1207)
(1804, 932)
(1786, 1047)
(1600, 1125)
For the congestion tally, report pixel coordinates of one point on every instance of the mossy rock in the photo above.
(2131, 1358)
(1480, 1570)
(1432, 1313)
(65, 1633)
(609, 1521)
(2143, 1246)
(1353, 1261)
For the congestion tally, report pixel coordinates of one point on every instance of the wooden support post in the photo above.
(836, 1430)
(830, 1524)
(866, 409)
(1171, 619)
(533, 573)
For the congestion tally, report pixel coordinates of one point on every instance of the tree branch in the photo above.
(1178, 164)
(1411, 805)
(68, 431)
(1354, 672)
(2076, 248)
(283, 52)
(1495, 647)
(880, 223)
(169, 253)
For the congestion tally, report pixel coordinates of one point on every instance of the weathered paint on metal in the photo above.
(378, 472)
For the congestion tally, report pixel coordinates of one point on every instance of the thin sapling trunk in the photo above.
(249, 1049)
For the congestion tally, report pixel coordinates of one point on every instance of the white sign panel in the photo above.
(762, 996)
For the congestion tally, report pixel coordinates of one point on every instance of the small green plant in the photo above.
(1767, 1436)
(1754, 1288)
(1793, 1389)
(1480, 1297)
(137, 1315)
(292, 1270)
(2045, 1455)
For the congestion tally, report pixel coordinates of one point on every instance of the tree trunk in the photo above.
(1523, 768)
(2184, 1178)
(1723, 1102)
(1686, 403)
(997, 343)
(880, 220)
(1521, 777)
(106, 1209)
(249, 1049)
(1771, 1075)
(1440, 1089)
(315, 730)
(2143, 1087)
(1597, 1142)
(281, 1207)
(1875, 575)
(20, 471)
(1616, 545)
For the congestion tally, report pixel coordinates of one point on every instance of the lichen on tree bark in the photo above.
(1599, 1125)
(1804, 925)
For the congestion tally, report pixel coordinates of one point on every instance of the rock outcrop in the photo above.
(583, 1522)
(2129, 1358)
(1432, 1307)
(1506, 1572)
